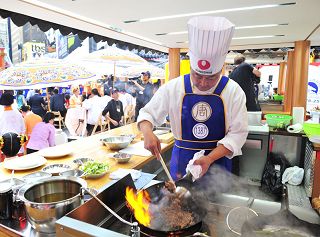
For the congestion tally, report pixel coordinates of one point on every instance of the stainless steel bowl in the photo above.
(117, 142)
(55, 169)
(73, 173)
(33, 177)
(81, 161)
(49, 199)
(122, 157)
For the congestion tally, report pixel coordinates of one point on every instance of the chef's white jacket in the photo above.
(168, 99)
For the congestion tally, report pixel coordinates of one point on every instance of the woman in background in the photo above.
(75, 100)
(43, 134)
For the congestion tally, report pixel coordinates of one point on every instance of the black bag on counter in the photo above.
(272, 174)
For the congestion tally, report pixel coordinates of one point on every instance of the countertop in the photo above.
(92, 147)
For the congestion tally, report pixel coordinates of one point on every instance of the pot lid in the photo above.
(5, 187)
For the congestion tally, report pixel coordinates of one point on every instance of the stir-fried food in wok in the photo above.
(171, 213)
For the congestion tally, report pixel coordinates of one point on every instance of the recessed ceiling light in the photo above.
(210, 12)
(257, 37)
(237, 28)
(245, 37)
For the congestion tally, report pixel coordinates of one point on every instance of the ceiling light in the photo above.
(210, 12)
(257, 37)
(237, 28)
(245, 37)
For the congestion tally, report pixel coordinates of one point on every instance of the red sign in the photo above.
(203, 64)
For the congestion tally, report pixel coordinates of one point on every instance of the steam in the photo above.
(207, 202)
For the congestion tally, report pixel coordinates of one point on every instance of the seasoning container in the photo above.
(6, 202)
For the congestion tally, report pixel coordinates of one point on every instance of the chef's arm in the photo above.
(151, 141)
(217, 153)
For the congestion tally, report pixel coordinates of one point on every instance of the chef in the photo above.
(207, 111)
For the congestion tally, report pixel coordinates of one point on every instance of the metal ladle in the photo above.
(135, 229)
(180, 191)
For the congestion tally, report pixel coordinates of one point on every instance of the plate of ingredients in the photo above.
(94, 170)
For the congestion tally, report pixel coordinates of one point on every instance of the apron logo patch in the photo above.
(200, 130)
(201, 111)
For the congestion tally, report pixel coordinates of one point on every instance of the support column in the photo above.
(282, 78)
(289, 83)
(174, 63)
(300, 75)
(2, 60)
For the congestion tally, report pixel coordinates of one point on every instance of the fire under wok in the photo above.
(166, 217)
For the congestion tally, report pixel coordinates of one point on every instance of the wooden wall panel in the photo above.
(282, 78)
(174, 63)
(300, 75)
(288, 94)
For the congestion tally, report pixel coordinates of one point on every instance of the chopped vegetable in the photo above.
(92, 167)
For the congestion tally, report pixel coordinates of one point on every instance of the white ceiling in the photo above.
(93, 15)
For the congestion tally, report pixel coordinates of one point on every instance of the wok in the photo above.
(188, 203)
(282, 223)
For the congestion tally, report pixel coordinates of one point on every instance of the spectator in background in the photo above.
(10, 120)
(20, 99)
(30, 93)
(93, 106)
(57, 103)
(67, 101)
(247, 76)
(143, 90)
(30, 119)
(37, 104)
(43, 134)
(75, 99)
(115, 110)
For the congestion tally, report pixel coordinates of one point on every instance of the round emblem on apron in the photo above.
(200, 130)
(201, 111)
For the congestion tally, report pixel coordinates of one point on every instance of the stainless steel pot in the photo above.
(49, 199)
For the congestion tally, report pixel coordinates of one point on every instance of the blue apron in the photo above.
(202, 125)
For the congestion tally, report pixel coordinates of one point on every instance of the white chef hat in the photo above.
(209, 41)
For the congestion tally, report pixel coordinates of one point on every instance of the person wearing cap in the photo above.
(10, 120)
(144, 92)
(207, 111)
(247, 76)
(114, 110)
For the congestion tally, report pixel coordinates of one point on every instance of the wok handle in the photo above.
(165, 167)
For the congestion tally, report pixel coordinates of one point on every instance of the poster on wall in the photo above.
(62, 45)
(313, 93)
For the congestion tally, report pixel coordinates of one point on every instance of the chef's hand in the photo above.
(204, 162)
(152, 143)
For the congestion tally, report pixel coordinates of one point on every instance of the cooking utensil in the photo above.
(239, 215)
(122, 157)
(156, 194)
(55, 169)
(47, 200)
(117, 142)
(135, 230)
(74, 173)
(284, 219)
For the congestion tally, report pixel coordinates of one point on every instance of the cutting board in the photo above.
(138, 149)
(164, 138)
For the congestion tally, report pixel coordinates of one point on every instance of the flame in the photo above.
(139, 203)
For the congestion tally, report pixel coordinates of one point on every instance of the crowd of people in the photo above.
(34, 114)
